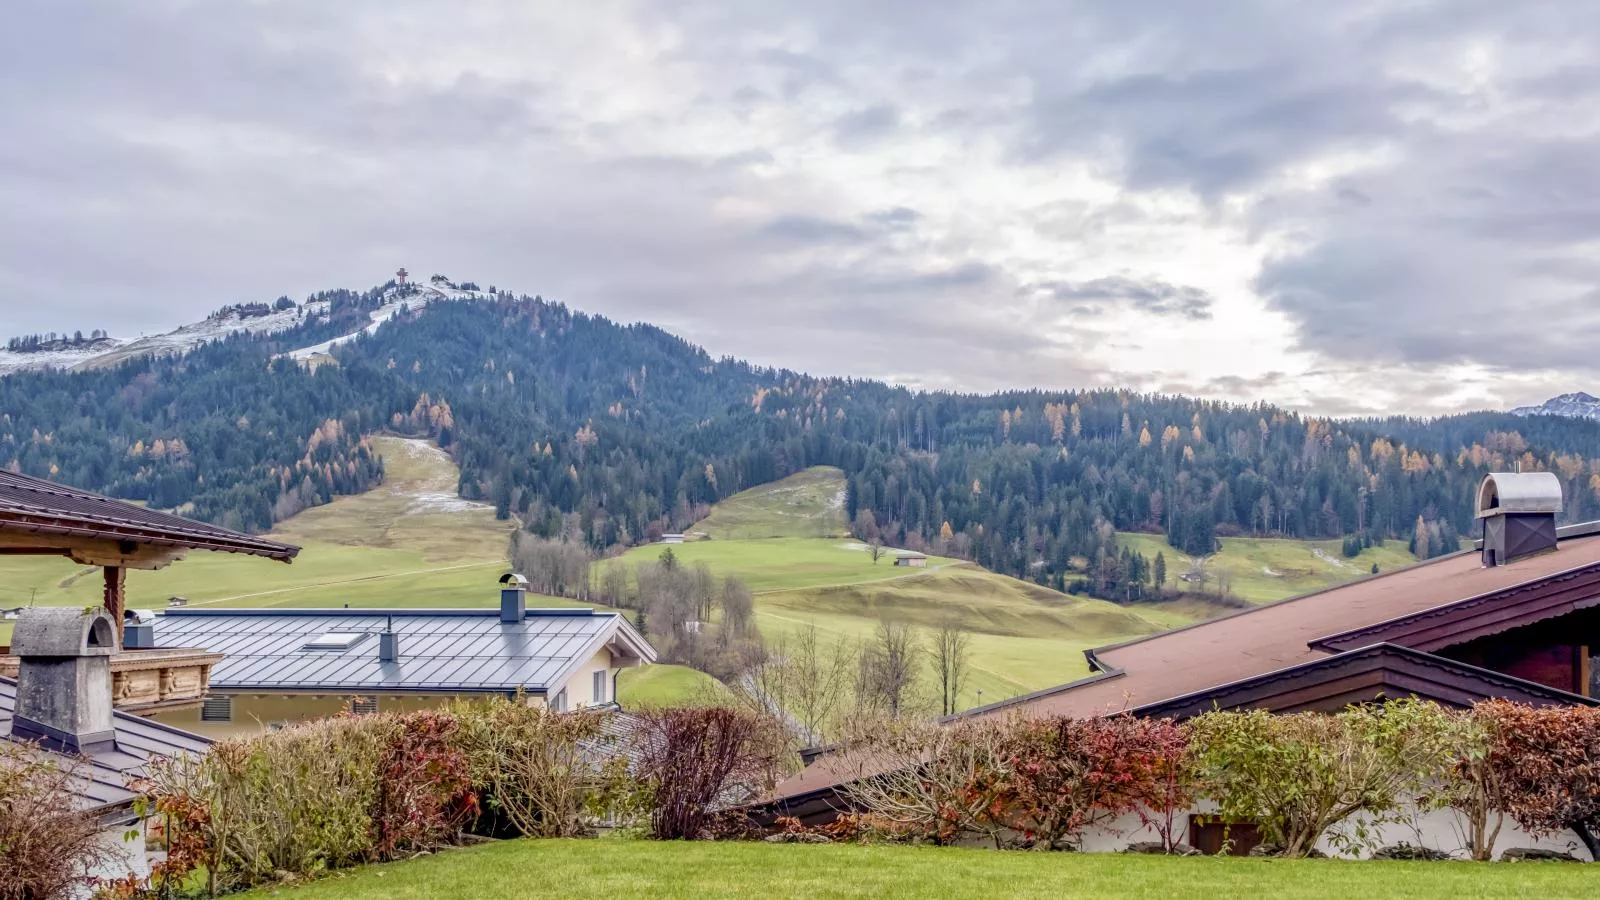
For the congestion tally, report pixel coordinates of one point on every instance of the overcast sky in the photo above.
(1347, 207)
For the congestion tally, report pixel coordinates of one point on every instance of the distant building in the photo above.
(672, 539)
(281, 666)
(914, 560)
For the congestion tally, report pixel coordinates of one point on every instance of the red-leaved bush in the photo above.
(1546, 762)
(697, 762)
(424, 786)
(1060, 776)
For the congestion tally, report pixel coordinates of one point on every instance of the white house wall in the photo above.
(1439, 829)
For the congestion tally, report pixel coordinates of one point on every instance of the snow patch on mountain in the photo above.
(400, 300)
(1576, 405)
(109, 351)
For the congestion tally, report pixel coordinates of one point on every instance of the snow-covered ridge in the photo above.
(1577, 405)
(109, 351)
(418, 296)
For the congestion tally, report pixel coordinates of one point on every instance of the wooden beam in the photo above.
(92, 551)
(116, 583)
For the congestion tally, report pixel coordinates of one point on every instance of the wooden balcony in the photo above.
(149, 680)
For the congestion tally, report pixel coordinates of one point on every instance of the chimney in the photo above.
(64, 678)
(138, 630)
(388, 643)
(1518, 511)
(513, 602)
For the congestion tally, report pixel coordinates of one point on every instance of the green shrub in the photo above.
(548, 774)
(1300, 776)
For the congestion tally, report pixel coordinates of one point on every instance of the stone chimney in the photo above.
(1518, 511)
(513, 597)
(64, 678)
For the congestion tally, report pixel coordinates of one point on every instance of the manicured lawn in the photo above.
(607, 869)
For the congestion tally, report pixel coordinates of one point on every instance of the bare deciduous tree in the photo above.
(952, 653)
(887, 675)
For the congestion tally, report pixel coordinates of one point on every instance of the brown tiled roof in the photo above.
(35, 506)
(1254, 642)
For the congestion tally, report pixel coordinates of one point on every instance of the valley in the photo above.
(413, 542)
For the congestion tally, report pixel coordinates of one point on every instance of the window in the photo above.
(363, 706)
(216, 709)
(560, 703)
(600, 686)
(334, 640)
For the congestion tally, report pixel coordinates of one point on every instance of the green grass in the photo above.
(666, 685)
(806, 504)
(1259, 570)
(781, 564)
(612, 868)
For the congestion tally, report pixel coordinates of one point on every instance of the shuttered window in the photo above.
(216, 709)
(364, 706)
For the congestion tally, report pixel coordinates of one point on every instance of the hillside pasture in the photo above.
(1260, 570)
(806, 504)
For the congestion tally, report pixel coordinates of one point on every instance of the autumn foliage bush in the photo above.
(696, 762)
(1545, 767)
(47, 848)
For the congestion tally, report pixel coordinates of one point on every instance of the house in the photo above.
(60, 705)
(914, 560)
(671, 539)
(281, 666)
(1517, 618)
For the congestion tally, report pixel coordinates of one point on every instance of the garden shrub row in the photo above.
(1302, 779)
(367, 788)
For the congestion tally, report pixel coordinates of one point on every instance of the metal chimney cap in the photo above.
(64, 632)
(1519, 492)
(514, 581)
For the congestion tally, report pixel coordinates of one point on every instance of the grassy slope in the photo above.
(664, 685)
(1265, 569)
(410, 542)
(806, 504)
(608, 869)
(1024, 637)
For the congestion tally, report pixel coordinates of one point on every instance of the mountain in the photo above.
(1578, 405)
(35, 353)
(607, 434)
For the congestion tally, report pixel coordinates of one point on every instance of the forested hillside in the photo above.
(609, 434)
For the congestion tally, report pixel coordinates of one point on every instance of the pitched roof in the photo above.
(108, 774)
(441, 651)
(33, 505)
(1279, 635)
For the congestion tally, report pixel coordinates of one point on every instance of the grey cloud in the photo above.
(1146, 295)
(181, 156)
(862, 127)
(810, 230)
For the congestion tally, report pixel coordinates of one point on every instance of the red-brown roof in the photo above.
(1218, 652)
(34, 506)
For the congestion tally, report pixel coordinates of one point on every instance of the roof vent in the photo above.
(1518, 511)
(388, 643)
(513, 597)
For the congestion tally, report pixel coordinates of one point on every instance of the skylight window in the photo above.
(335, 640)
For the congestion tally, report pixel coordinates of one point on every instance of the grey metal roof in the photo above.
(107, 773)
(441, 651)
(36, 506)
